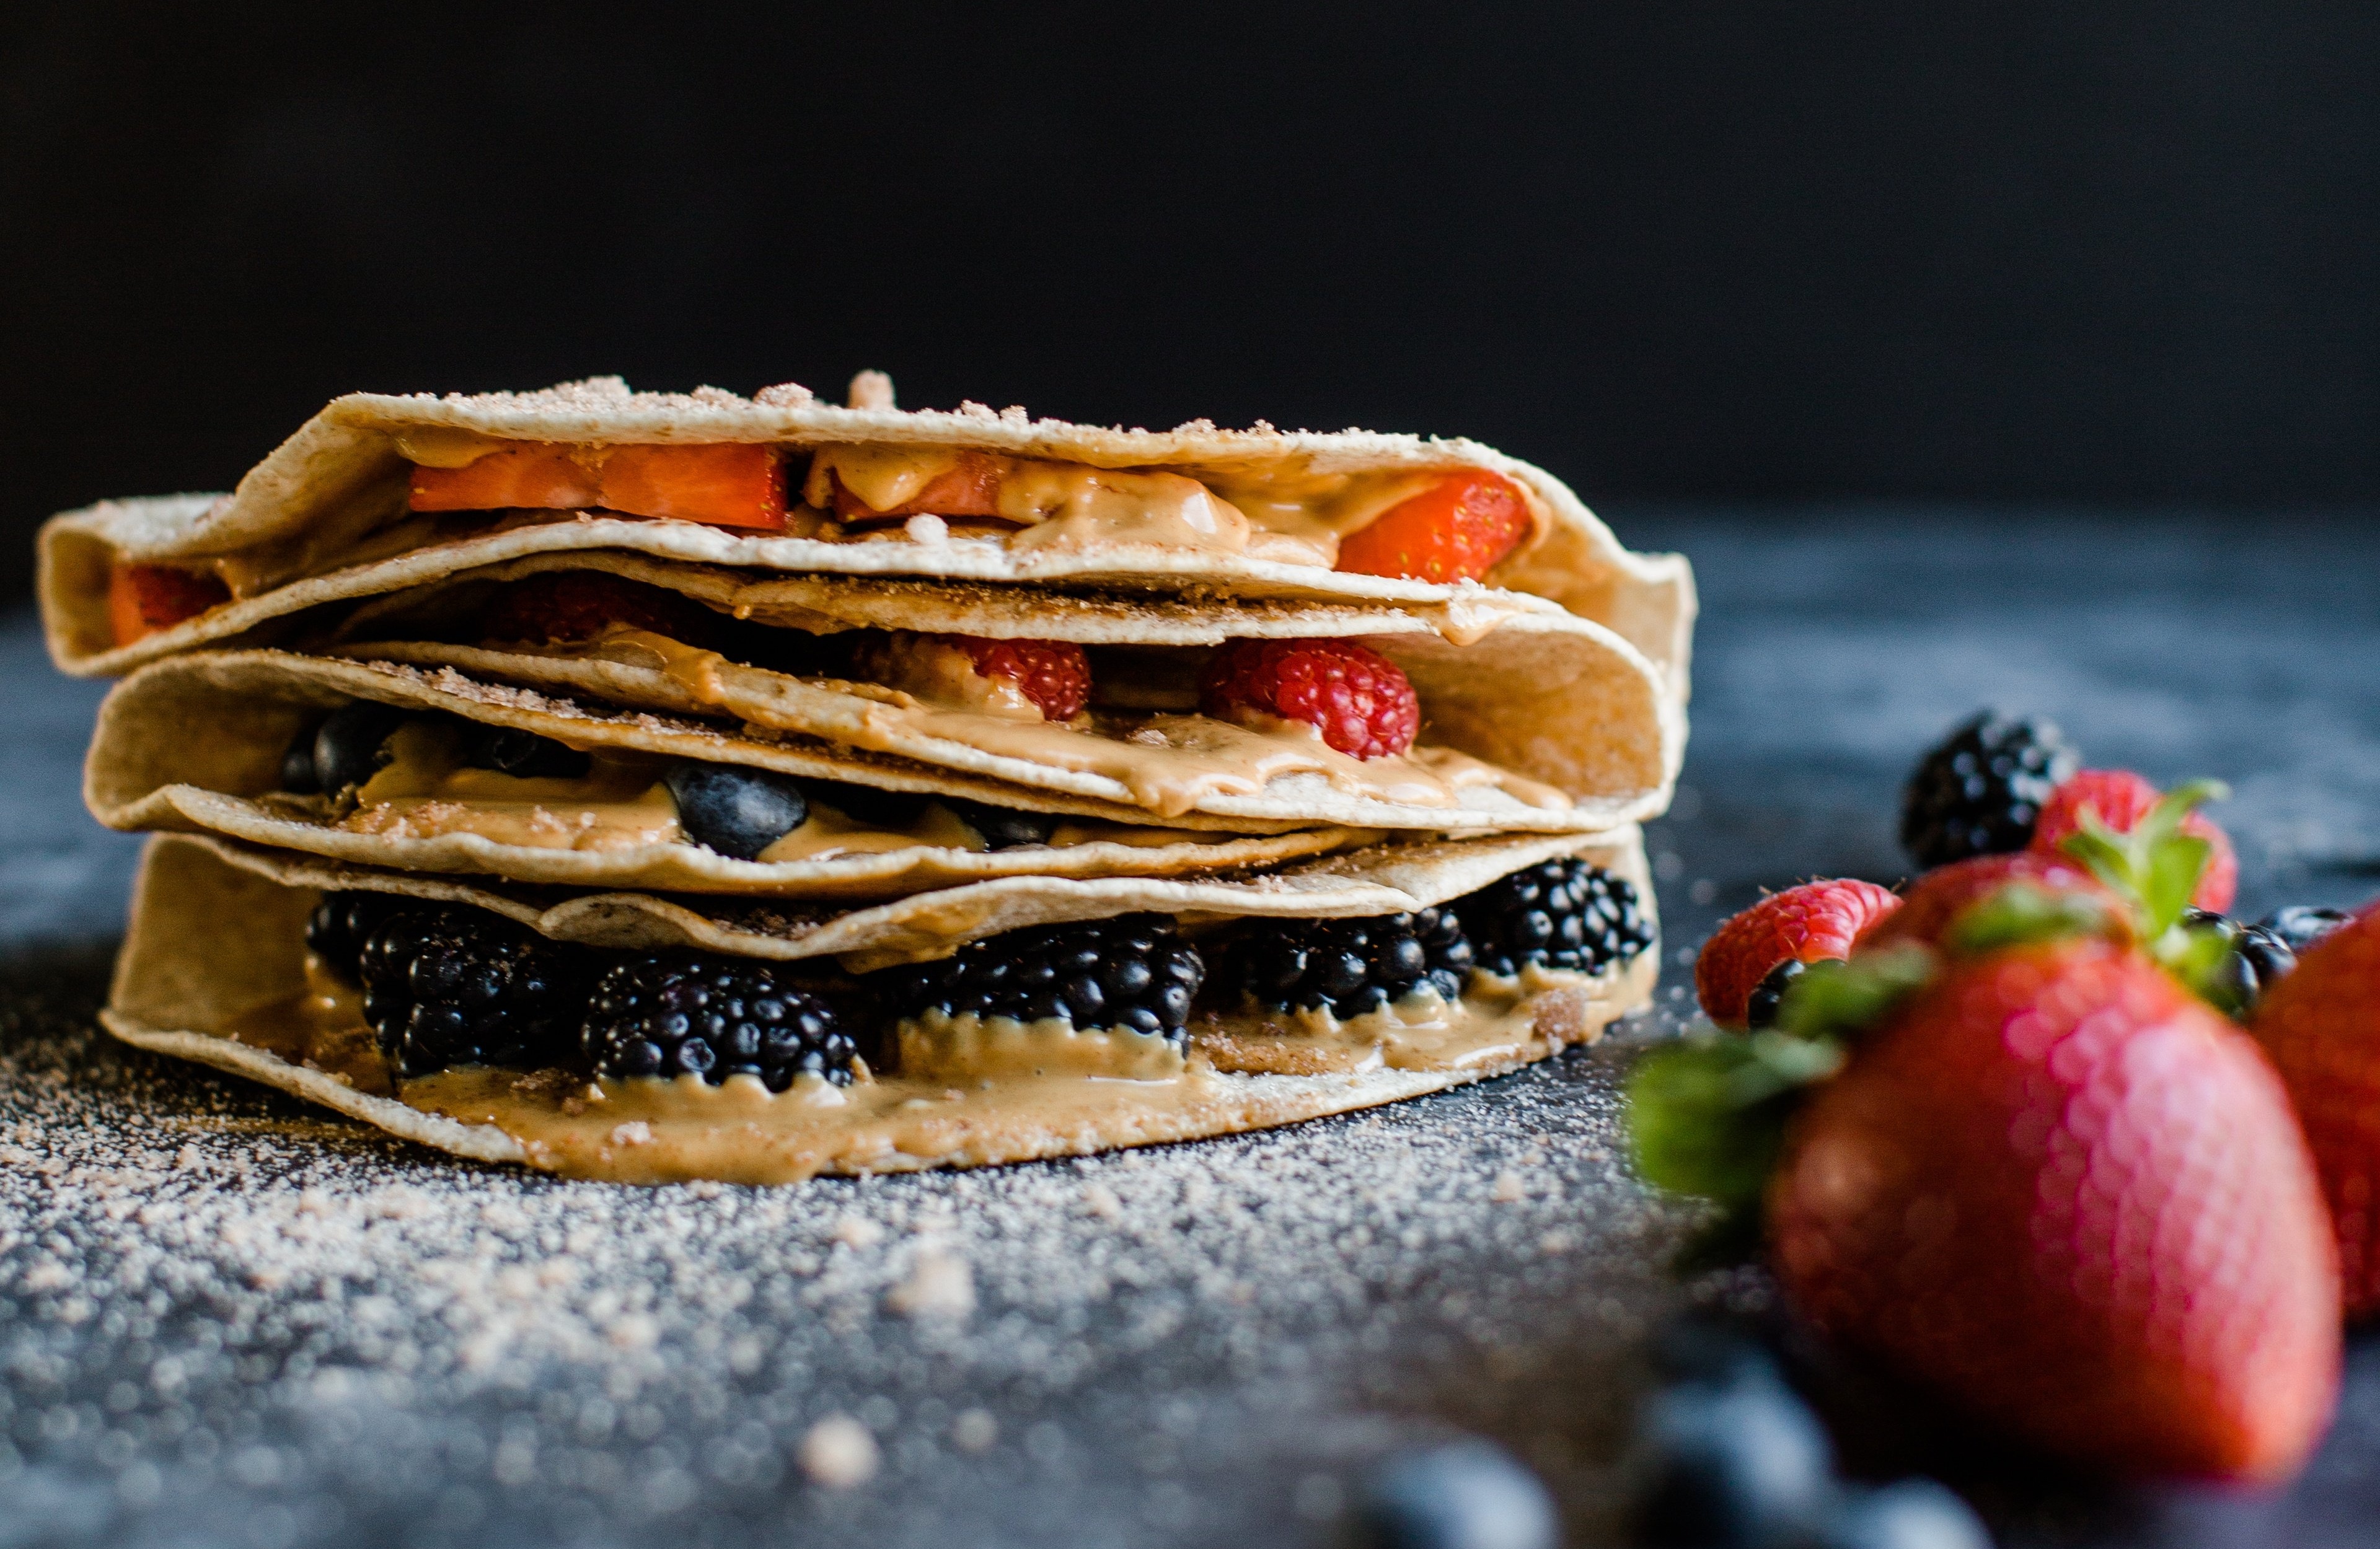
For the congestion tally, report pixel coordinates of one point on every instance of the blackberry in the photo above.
(1768, 996)
(342, 923)
(1133, 971)
(1348, 967)
(1979, 792)
(448, 984)
(1563, 913)
(691, 1014)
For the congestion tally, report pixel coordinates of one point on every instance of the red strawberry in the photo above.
(1808, 923)
(557, 607)
(1053, 676)
(2121, 799)
(1359, 699)
(2321, 1024)
(1944, 893)
(1456, 531)
(144, 599)
(2067, 1194)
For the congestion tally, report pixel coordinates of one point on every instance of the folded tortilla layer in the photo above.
(1533, 690)
(216, 948)
(301, 528)
(195, 743)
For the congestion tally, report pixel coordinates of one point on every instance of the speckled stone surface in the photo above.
(227, 1319)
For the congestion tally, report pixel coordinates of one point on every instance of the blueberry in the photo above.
(1913, 1514)
(297, 765)
(1721, 1352)
(2300, 926)
(1742, 1464)
(525, 754)
(347, 748)
(1003, 828)
(735, 811)
(1465, 1494)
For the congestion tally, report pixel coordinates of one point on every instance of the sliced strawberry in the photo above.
(2065, 1194)
(144, 599)
(969, 488)
(2121, 799)
(723, 485)
(1361, 702)
(532, 476)
(570, 605)
(1458, 531)
(1808, 923)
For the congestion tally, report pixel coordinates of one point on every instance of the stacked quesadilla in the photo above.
(655, 786)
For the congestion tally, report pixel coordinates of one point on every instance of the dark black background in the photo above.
(2028, 251)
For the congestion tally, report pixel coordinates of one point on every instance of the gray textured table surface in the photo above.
(227, 1319)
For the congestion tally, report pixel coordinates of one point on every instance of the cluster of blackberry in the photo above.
(1563, 913)
(448, 984)
(1134, 971)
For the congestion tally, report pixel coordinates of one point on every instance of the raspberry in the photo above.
(567, 605)
(2121, 799)
(1054, 674)
(1944, 893)
(1360, 700)
(1455, 532)
(1808, 923)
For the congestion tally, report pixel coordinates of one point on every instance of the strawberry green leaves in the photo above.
(1707, 1116)
(2155, 869)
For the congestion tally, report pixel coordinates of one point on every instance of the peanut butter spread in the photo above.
(620, 803)
(1167, 763)
(969, 1091)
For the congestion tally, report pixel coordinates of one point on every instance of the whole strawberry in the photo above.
(2121, 799)
(1742, 970)
(1943, 894)
(2321, 1024)
(2061, 1190)
(2005, 1148)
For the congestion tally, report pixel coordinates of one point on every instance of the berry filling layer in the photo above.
(1165, 729)
(1442, 526)
(378, 770)
(627, 1063)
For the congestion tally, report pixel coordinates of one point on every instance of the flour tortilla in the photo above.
(216, 935)
(193, 744)
(1534, 690)
(302, 512)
